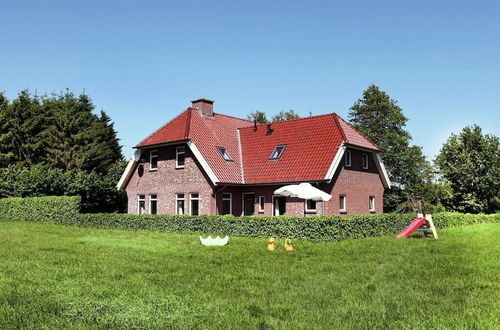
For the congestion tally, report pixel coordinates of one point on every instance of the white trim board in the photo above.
(203, 162)
(127, 174)
(335, 163)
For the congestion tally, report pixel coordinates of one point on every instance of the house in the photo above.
(203, 162)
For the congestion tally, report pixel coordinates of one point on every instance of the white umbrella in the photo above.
(303, 190)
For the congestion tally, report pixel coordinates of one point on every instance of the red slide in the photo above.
(414, 225)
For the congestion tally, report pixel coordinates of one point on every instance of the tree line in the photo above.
(464, 176)
(57, 145)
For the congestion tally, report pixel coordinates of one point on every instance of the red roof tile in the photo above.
(353, 136)
(311, 144)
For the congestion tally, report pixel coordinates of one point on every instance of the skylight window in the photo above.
(278, 151)
(225, 154)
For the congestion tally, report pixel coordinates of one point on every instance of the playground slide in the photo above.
(414, 225)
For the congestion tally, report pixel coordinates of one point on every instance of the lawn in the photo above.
(65, 277)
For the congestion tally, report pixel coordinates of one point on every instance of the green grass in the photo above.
(66, 277)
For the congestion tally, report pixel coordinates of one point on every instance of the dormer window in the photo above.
(365, 161)
(225, 154)
(278, 151)
(348, 158)
(153, 160)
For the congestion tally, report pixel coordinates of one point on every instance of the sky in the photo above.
(144, 61)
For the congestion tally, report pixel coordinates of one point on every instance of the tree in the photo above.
(6, 154)
(285, 115)
(59, 131)
(382, 121)
(470, 162)
(259, 116)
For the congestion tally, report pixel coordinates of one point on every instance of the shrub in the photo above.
(64, 210)
(40, 209)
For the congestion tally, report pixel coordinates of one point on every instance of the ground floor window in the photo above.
(310, 206)
(371, 203)
(141, 204)
(342, 204)
(179, 203)
(262, 204)
(279, 205)
(194, 200)
(226, 203)
(153, 204)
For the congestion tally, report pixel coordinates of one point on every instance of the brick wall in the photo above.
(166, 181)
(355, 182)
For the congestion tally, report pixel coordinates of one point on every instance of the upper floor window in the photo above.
(365, 161)
(225, 154)
(153, 160)
(180, 156)
(278, 151)
(153, 204)
(348, 158)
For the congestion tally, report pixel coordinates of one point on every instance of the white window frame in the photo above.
(139, 200)
(262, 204)
(177, 153)
(365, 157)
(230, 199)
(344, 204)
(151, 156)
(151, 199)
(308, 210)
(191, 198)
(348, 159)
(177, 199)
(371, 203)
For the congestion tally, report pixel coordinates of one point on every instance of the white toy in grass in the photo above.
(209, 241)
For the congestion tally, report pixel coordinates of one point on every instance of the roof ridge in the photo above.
(168, 122)
(188, 123)
(336, 118)
(293, 120)
(223, 115)
(357, 131)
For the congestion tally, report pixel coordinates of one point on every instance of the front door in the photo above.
(279, 205)
(248, 204)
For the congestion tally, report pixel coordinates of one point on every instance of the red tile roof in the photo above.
(311, 144)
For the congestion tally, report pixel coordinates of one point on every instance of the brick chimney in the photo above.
(206, 106)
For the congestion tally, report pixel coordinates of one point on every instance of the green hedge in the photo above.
(64, 210)
(58, 209)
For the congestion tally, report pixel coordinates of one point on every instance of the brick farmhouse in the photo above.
(203, 162)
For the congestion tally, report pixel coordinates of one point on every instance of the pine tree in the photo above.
(6, 154)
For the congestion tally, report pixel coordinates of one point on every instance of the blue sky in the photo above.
(143, 61)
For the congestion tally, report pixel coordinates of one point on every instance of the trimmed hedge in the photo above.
(64, 210)
(56, 209)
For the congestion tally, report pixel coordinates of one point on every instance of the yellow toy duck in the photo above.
(288, 245)
(271, 244)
